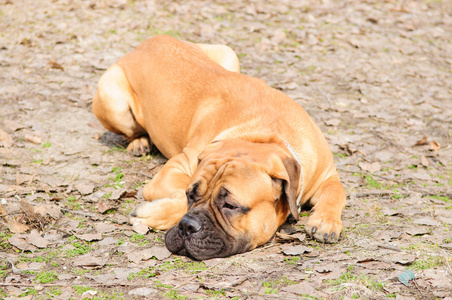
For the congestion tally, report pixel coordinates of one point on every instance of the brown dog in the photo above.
(242, 155)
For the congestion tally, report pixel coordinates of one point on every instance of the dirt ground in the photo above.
(375, 75)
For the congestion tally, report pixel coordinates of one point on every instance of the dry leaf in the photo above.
(295, 250)
(5, 139)
(21, 243)
(140, 228)
(85, 189)
(422, 142)
(435, 146)
(371, 167)
(33, 139)
(3, 211)
(332, 122)
(16, 227)
(12, 125)
(54, 65)
(36, 239)
(89, 237)
(424, 161)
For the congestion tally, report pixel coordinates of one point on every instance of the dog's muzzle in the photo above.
(198, 237)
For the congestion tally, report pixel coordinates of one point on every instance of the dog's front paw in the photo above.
(140, 146)
(324, 227)
(156, 214)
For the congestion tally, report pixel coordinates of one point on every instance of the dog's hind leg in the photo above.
(114, 106)
(222, 55)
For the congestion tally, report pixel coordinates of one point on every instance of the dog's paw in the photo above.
(155, 214)
(139, 146)
(324, 227)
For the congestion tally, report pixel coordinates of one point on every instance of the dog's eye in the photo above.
(192, 194)
(230, 206)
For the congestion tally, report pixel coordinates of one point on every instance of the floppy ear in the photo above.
(286, 178)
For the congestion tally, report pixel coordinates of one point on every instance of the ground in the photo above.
(376, 76)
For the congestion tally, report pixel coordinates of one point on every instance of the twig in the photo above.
(11, 214)
(81, 213)
(65, 284)
(390, 247)
(447, 262)
(325, 94)
(145, 175)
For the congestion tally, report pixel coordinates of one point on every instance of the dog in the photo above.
(242, 155)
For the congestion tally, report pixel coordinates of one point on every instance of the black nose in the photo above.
(189, 225)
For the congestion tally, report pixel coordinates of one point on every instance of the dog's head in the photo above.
(239, 195)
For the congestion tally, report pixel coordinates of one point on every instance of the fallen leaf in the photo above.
(295, 250)
(417, 231)
(435, 146)
(143, 292)
(15, 226)
(302, 288)
(89, 237)
(90, 261)
(52, 210)
(13, 125)
(427, 221)
(3, 211)
(108, 241)
(332, 122)
(33, 139)
(88, 294)
(140, 228)
(422, 142)
(85, 189)
(424, 161)
(103, 206)
(371, 167)
(21, 243)
(5, 139)
(160, 252)
(54, 65)
(105, 227)
(36, 239)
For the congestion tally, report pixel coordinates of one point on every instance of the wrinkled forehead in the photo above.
(241, 177)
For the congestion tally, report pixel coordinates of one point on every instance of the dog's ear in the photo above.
(286, 177)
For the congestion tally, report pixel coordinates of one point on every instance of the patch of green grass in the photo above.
(430, 262)
(46, 145)
(363, 279)
(29, 291)
(292, 260)
(144, 273)
(173, 294)
(80, 271)
(271, 287)
(79, 289)
(79, 249)
(55, 291)
(214, 294)
(372, 183)
(46, 277)
(443, 198)
(189, 267)
(117, 180)
(117, 149)
(4, 237)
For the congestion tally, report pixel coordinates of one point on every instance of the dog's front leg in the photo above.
(166, 200)
(325, 224)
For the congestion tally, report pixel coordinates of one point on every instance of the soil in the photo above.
(376, 76)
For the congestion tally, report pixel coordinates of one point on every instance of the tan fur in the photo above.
(183, 97)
